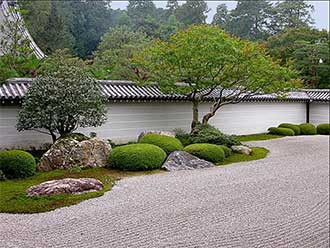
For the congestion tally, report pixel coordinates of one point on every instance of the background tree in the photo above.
(192, 12)
(62, 101)
(221, 18)
(304, 48)
(203, 60)
(112, 58)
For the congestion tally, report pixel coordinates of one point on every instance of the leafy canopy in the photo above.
(62, 101)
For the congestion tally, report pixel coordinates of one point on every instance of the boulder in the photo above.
(67, 185)
(180, 160)
(166, 133)
(242, 149)
(69, 152)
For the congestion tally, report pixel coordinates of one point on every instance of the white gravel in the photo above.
(280, 201)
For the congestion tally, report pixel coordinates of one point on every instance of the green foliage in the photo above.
(62, 101)
(77, 136)
(307, 129)
(137, 157)
(192, 12)
(2, 176)
(75, 169)
(259, 136)
(209, 152)
(257, 153)
(281, 131)
(295, 128)
(183, 136)
(304, 48)
(323, 129)
(168, 144)
(17, 164)
(210, 134)
(227, 150)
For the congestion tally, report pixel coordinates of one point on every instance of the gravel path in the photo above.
(281, 201)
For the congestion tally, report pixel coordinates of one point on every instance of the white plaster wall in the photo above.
(127, 120)
(319, 113)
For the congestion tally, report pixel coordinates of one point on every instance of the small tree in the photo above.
(62, 101)
(208, 61)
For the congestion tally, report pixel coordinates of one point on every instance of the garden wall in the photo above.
(319, 113)
(127, 120)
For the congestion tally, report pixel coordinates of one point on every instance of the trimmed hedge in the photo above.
(168, 144)
(295, 128)
(136, 157)
(307, 129)
(227, 150)
(281, 131)
(209, 152)
(17, 164)
(323, 129)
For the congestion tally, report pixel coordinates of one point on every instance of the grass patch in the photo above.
(13, 198)
(257, 153)
(258, 136)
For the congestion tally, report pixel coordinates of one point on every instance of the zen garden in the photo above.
(148, 124)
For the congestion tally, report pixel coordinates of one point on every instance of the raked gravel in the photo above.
(280, 201)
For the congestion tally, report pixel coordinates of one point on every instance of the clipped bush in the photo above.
(281, 131)
(295, 128)
(307, 129)
(227, 150)
(209, 152)
(183, 136)
(209, 134)
(137, 157)
(167, 143)
(17, 164)
(323, 129)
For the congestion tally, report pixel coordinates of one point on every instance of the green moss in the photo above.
(281, 131)
(209, 152)
(323, 129)
(227, 150)
(17, 164)
(295, 128)
(307, 129)
(258, 136)
(257, 153)
(137, 157)
(168, 144)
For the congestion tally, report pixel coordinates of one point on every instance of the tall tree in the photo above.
(192, 12)
(203, 60)
(292, 14)
(251, 19)
(221, 18)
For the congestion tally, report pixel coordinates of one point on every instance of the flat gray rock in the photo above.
(67, 185)
(180, 160)
(242, 149)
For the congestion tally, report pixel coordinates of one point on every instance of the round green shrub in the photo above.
(227, 150)
(281, 131)
(209, 152)
(168, 144)
(295, 128)
(17, 164)
(307, 129)
(323, 129)
(136, 157)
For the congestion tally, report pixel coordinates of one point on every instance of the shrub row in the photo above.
(323, 129)
(281, 131)
(302, 129)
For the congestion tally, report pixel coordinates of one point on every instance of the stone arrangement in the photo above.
(69, 152)
(242, 149)
(180, 160)
(68, 186)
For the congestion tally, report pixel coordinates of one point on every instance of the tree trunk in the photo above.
(195, 114)
(207, 117)
(53, 136)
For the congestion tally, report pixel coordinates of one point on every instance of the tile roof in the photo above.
(16, 89)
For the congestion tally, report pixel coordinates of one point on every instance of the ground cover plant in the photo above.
(167, 143)
(257, 153)
(14, 199)
(258, 136)
(137, 157)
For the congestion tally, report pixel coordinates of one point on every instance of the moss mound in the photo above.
(137, 157)
(295, 128)
(307, 129)
(281, 131)
(227, 150)
(17, 164)
(168, 144)
(209, 152)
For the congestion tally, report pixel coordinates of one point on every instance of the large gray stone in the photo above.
(180, 160)
(165, 133)
(67, 185)
(242, 149)
(69, 152)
